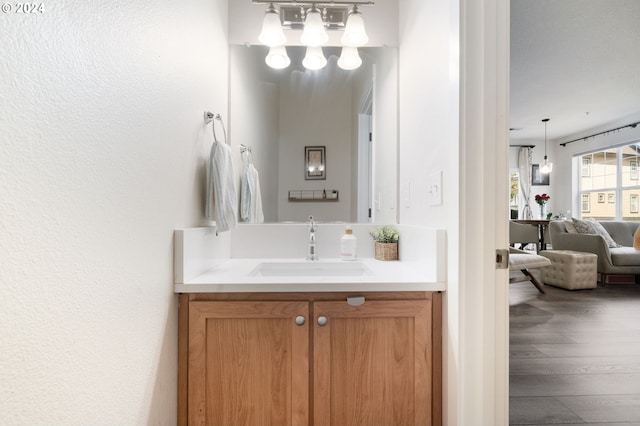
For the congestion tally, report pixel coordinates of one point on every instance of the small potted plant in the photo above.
(386, 242)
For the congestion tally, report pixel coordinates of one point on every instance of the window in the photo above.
(585, 203)
(612, 174)
(514, 194)
(586, 166)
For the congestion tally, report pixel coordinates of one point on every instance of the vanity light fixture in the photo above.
(314, 18)
(314, 33)
(354, 33)
(546, 166)
(272, 34)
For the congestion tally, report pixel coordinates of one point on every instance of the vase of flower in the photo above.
(542, 199)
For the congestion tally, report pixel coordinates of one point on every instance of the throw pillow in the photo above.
(570, 227)
(583, 227)
(597, 226)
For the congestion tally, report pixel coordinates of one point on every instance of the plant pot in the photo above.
(386, 251)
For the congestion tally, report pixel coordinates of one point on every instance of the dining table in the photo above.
(542, 225)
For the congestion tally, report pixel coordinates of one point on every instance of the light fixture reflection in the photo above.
(314, 58)
(354, 32)
(349, 58)
(277, 58)
(272, 34)
(314, 33)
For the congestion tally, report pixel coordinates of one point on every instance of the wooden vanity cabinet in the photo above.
(310, 359)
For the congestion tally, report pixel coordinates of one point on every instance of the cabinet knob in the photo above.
(322, 320)
(300, 320)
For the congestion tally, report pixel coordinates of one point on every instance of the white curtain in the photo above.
(524, 166)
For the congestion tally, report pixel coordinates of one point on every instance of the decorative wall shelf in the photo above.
(313, 195)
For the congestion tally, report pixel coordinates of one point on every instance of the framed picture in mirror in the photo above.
(537, 177)
(314, 163)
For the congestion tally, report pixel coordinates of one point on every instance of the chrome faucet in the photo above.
(311, 250)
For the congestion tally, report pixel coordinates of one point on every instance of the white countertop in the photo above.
(238, 275)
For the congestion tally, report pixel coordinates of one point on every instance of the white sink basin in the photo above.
(311, 268)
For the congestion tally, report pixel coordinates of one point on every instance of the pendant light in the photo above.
(547, 166)
(272, 34)
(314, 33)
(354, 32)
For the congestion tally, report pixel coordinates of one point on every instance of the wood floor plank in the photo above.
(541, 410)
(524, 351)
(583, 424)
(575, 355)
(602, 337)
(581, 365)
(604, 408)
(526, 338)
(593, 349)
(574, 384)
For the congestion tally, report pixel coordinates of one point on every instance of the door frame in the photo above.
(483, 291)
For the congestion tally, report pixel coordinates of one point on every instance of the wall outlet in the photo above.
(434, 185)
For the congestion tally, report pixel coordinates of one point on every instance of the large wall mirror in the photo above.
(281, 113)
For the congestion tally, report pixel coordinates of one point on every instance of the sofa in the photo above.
(616, 257)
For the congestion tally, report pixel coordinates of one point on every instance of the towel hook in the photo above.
(244, 148)
(208, 118)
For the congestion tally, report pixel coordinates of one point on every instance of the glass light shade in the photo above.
(272, 34)
(546, 166)
(354, 32)
(314, 58)
(349, 58)
(277, 58)
(314, 33)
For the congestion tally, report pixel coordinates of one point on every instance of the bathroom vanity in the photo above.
(283, 341)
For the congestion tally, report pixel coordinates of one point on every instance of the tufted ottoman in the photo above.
(569, 269)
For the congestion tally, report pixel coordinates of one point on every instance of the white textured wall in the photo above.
(102, 144)
(428, 127)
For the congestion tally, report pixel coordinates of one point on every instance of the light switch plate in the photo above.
(434, 191)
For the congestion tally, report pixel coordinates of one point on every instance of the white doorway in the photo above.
(365, 158)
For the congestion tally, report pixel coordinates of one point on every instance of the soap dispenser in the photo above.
(348, 245)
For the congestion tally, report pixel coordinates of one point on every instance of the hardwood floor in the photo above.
(574, 355)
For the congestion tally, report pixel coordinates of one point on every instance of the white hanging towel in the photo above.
(222, 197)
(250, 198)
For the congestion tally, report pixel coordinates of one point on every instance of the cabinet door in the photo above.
(372, 363)
(248, 363)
